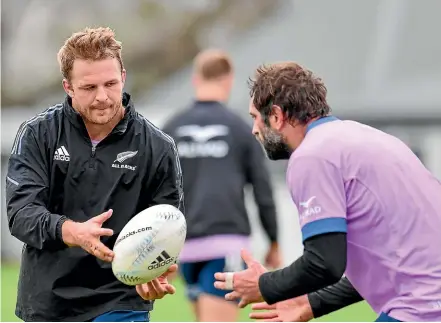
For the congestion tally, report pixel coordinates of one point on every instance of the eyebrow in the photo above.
(90, 84)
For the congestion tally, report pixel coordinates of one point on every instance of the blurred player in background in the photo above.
(91, 154)
(219, 156)
(367, 207)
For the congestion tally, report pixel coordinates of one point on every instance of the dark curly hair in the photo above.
(297, 91)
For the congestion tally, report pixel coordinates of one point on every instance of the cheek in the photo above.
(115, 93)
(84, 98)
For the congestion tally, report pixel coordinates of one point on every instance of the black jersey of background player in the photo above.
(219, 156)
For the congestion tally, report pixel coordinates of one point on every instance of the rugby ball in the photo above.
(149, 244)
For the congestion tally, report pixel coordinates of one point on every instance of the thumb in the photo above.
(103, 217)
(163, 278)
(247, 257)
(173, 268)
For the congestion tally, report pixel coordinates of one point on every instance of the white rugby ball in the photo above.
(149, 244)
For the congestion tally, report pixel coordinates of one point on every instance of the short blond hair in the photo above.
(89, 44)
(211, 64)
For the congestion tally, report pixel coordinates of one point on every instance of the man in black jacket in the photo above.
(219, 157)
(78, 172)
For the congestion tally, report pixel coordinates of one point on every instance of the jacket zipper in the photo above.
(92, 158)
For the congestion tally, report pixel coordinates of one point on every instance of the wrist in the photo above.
(67, 232)
(308, 313)
(314, 304)
(262, 283)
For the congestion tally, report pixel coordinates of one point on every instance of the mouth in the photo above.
(101, 108)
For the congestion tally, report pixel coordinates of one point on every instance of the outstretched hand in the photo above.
(292, 310)
(245, 283)
(87, 235)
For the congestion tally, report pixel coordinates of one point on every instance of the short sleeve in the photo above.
(317, 189)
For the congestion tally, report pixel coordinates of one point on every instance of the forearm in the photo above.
(37, 227)
(27, 195)
(268, 218)
(333, 298)
(322, 264)
(258, 176)
(263, 196)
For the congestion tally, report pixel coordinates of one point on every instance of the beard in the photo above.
(101, 115)
(275, 145)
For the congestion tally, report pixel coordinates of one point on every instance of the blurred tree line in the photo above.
(158, 36)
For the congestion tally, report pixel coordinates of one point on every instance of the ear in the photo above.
(68, 88)
(123, 76)
(277, 117)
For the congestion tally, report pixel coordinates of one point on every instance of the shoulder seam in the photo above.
(16, 147)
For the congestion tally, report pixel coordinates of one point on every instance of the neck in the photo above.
(295, 136)
(99, 132)
(211, 93)
(297, 133)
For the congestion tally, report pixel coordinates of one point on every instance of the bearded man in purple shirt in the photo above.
(369, 210)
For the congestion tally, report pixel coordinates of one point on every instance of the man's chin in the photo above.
(102, 118)
(278, 155)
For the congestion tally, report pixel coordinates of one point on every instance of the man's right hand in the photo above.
(296, 309)
(87, 235)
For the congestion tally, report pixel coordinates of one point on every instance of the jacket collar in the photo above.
(320, 121)
(76, 119)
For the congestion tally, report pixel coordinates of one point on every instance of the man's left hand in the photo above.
(158, 287)
(245, 283)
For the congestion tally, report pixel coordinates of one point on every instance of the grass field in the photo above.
(170, 309)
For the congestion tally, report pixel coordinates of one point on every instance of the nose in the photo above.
(101, 94)
(255, 130)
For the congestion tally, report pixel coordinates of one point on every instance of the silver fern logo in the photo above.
(121, 157)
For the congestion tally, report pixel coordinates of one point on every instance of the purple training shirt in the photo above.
(348, 177)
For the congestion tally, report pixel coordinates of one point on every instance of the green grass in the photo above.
(170, 309)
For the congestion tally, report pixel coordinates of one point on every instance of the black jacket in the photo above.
(219, 156)
(54, 172)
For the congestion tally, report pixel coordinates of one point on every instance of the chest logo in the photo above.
(61, 154)
(122, 157)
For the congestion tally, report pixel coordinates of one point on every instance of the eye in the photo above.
(110, 84)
